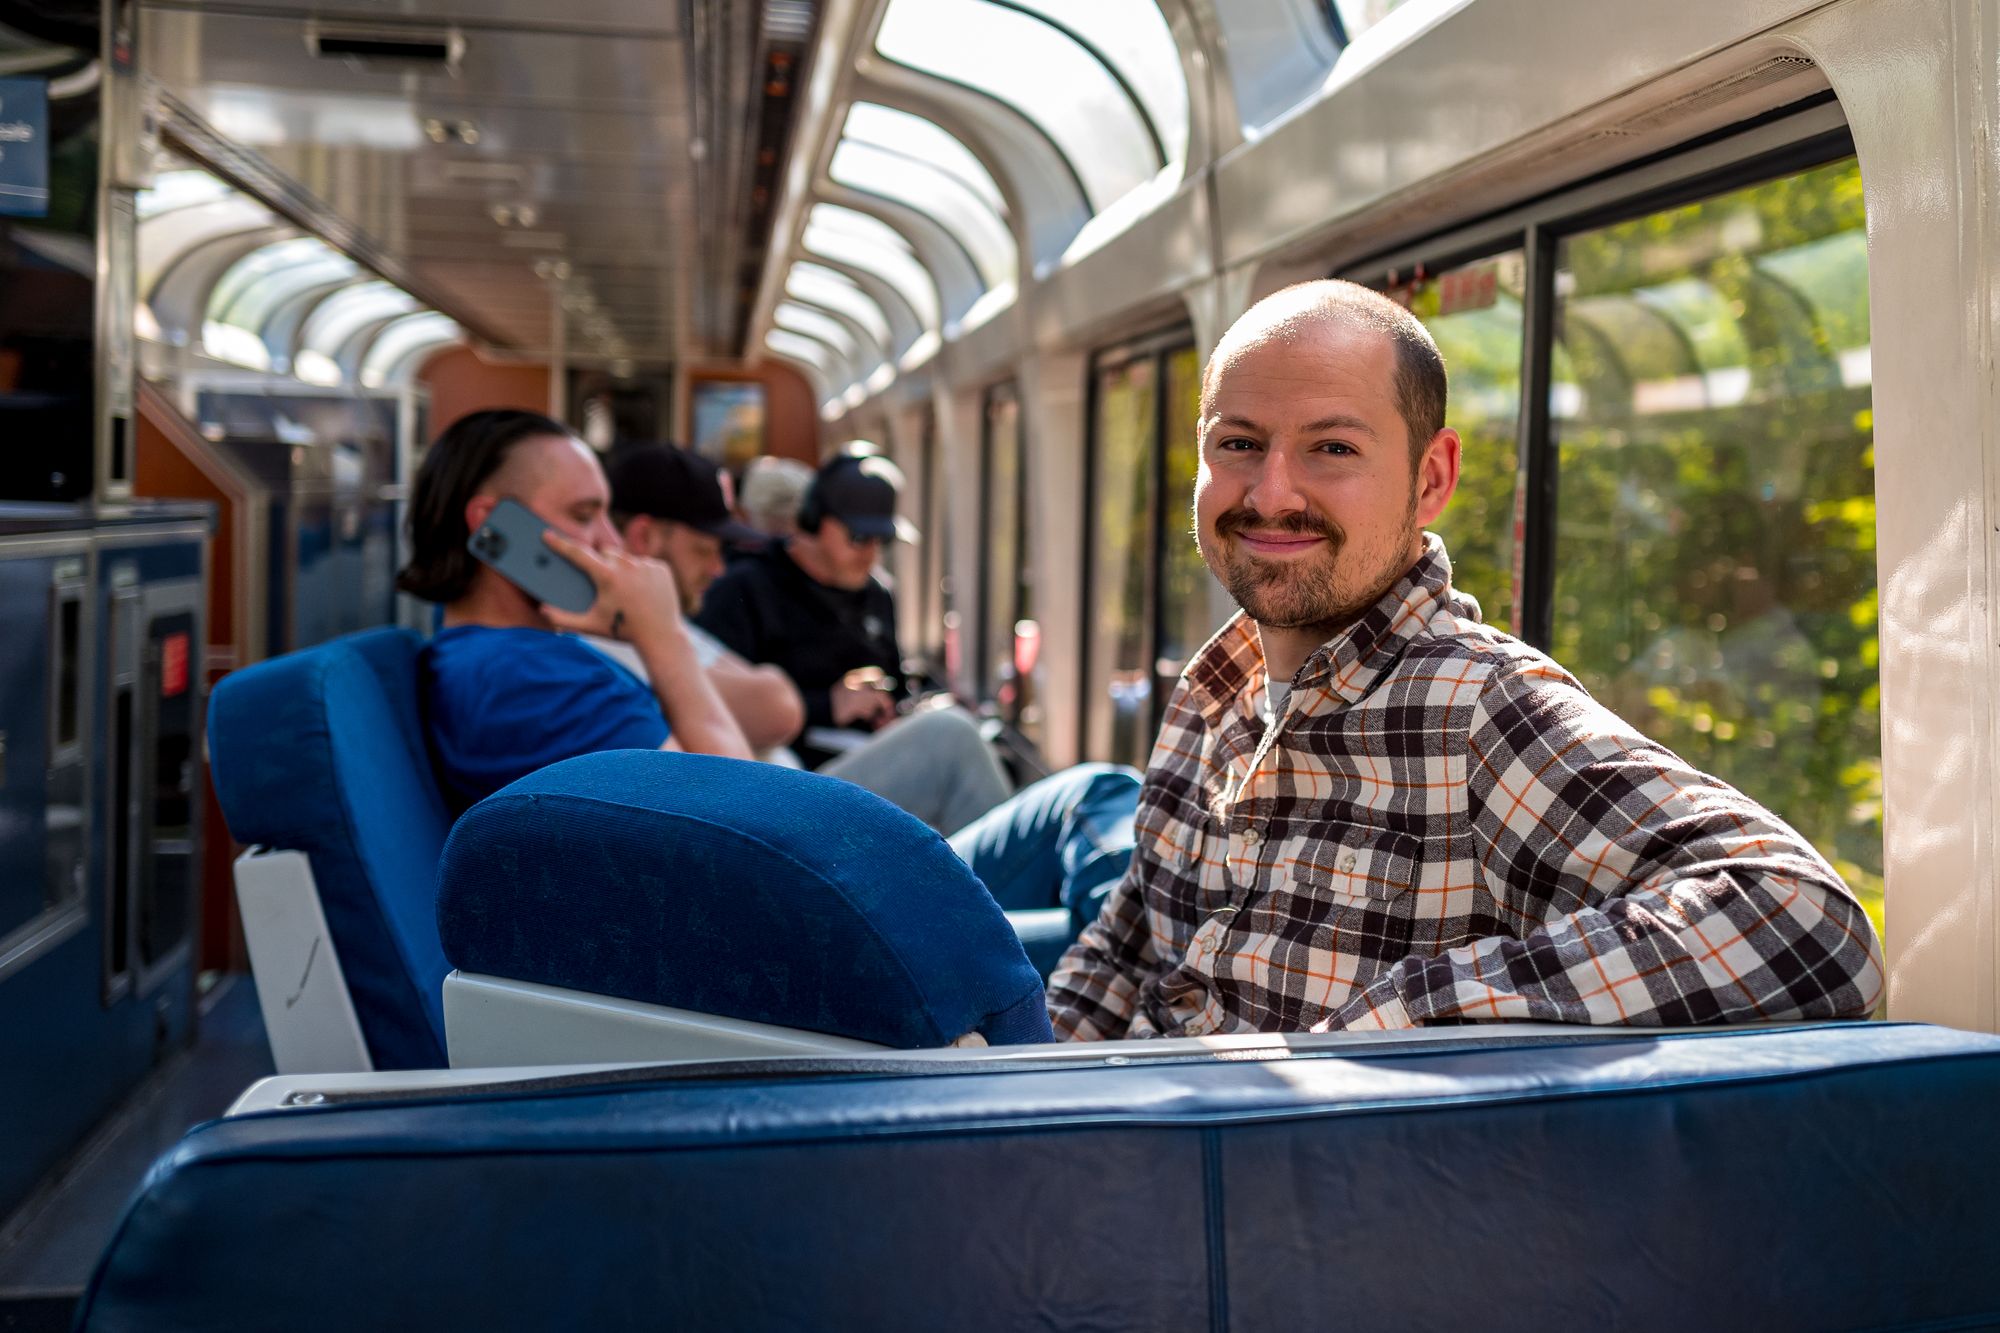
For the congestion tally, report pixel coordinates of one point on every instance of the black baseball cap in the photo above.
(667, 482)
(860, 491)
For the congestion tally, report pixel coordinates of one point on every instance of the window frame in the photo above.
(1807, 134)
(1156, 346)
(989, 398)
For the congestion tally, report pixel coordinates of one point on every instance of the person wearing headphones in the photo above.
(813, 606)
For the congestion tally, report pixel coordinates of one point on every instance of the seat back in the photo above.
(737, 889)
(322, 752)
(1784, 1178)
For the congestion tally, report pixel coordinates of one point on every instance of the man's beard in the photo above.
(1321, 594)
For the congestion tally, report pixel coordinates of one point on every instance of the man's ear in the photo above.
(1437, 475)
(637, 533)
(478, 509)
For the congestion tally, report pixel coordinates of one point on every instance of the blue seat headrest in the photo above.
(732, 888)
(322, 752)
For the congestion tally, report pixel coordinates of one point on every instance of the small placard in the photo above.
(173, 665)
(24, 147)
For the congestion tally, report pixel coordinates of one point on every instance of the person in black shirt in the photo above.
(814, 607)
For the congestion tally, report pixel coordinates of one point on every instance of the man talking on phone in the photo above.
(505, 690)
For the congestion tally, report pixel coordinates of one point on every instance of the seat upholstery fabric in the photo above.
(321, 752)
(1784, 1178)
(738, 889)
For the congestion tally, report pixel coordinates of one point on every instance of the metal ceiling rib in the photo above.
(628, 144)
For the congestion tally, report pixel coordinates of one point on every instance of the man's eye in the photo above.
(1337, 448)
(1235, 444)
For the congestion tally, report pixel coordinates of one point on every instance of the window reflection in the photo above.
(1716, 543)
(1474, 314)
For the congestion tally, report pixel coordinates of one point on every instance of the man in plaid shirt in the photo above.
(1368, 810)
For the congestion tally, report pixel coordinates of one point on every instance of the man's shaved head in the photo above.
(1306, 308)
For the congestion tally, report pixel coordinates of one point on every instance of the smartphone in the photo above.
(510, 541)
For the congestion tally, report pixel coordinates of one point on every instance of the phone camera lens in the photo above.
(491, 542)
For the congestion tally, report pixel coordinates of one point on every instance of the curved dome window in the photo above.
(399, 346)
(812, 324)
(1278, 52)
(837, 292)
(1101, 78)
(798, 347)
(257, 284)
(912, 161)
(346, 313)
(870, 244)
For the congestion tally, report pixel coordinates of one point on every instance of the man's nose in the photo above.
(604, 535)
(1275, 490)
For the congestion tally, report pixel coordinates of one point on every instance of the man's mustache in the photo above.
(1299, 523)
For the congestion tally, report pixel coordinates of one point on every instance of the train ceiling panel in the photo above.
(506, 155)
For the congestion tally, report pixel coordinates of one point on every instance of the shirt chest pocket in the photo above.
(1191, 853)
(1354, 893)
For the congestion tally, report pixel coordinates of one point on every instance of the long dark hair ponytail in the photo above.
(465, 456)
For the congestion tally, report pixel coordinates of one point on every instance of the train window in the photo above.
(1715, 539)
(1279, 54)
(1121, 565)
(1474, 313)
(256, 285)
(872, 245)
(907, 158)
(1147, 606)
(1186, 617)
(1101, 78)
(398, 349)
(812, 324)
(828, 290)
(929, 611)
(331, 329)
(1010, 638)
(798, 347)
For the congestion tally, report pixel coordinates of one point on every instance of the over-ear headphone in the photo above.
(811, 511)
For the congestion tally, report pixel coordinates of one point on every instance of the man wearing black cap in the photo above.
(673, 506)
(814, 607)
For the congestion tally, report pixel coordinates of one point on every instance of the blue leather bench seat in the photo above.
(1811, 1177)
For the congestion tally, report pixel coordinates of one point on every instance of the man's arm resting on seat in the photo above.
(762, 699)
(1647, 893)
(701, 722)
(1094, 991)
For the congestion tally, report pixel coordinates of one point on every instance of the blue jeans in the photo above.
(1064, 842)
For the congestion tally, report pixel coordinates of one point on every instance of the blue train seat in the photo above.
(734, 890)
(1801, 1178)
(322, 752)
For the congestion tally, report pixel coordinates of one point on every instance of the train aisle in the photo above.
(48, 1246)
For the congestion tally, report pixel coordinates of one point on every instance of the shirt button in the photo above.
(1347, 862)
(1253, 835)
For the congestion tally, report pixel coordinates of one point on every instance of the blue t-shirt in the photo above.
(501, 703)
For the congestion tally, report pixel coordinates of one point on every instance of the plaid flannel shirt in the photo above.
(1444, 827)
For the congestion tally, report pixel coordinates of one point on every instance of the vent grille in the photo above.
(388, 46)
